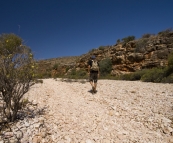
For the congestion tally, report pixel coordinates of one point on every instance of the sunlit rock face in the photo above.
(126, 57)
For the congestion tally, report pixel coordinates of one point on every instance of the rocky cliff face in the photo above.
(134, 55)
(126, 57)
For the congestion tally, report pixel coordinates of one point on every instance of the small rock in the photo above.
(89, 141)
(19, 135)
(43, 134)
(106, 141)
(171, 140)
(26, 124)
(8, 134)
(111, 113)
(35, 139)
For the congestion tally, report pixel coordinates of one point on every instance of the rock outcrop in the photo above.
(126, 57)
(134, 55)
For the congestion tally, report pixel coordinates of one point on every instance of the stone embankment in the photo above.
(120, 112)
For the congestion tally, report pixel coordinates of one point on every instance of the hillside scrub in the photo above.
(163, 75)
(128, 55)
(128, 39)
(16, 74)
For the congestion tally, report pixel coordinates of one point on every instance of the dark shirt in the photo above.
(90, 63)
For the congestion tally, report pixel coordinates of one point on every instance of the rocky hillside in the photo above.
(146, 52)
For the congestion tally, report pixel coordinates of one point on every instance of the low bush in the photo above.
(168, 79)
(55, 66)
(128, 39)
(165, 32)
(124, 77)
(137, 75)
(141, 45)
(105, 66)
(79, 74)
(92, 50)
(153, 75)
(101, 48)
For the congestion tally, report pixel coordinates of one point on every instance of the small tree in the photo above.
(16, 73)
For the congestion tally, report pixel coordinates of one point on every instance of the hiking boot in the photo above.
(92, 89)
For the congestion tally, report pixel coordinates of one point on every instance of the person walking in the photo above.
(93, 71)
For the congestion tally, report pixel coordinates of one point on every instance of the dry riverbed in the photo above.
(120, 112)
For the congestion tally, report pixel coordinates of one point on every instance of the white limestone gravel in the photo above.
(120, 112)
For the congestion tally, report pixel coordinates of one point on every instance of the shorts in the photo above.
(93, 76)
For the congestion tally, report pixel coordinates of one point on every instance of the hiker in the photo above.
(93, 71)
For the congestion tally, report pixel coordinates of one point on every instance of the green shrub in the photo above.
(79, 74)
(108, 76)
(128, 39)
(124, 77)
(105, 66)
(101, 48)
(137, 75)
(141, 45)
(73, 72)
(153, 75)
(55, 66)
(169, 69)
(67, 68)
(46, 74)
(170, 60)
(168, 79)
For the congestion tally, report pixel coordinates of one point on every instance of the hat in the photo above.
(93, 57)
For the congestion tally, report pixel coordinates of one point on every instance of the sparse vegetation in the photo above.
(92, 50)
(128, 39)
(101, 48)
(55, 66)
(142, 45)
(146, 35)
(164, 75)
(77, 74)
(165, 32)
(153, 75)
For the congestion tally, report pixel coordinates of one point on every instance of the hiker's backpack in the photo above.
(95, 66)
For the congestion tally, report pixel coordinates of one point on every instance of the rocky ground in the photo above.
(120, 112)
